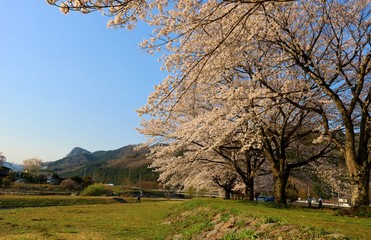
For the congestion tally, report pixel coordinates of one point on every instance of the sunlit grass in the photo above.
(101, 221)
(159, 219)
(320, 220)
(11, 201)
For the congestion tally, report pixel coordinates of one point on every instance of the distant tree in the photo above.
(32, 165)
(227, 182)
(2, 159)
(335, 176)
(5, 182)
(87, 181)
(56, 179)
(41, 178)
(264, 184)
(77, 179)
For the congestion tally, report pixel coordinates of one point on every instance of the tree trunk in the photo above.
(227, 193)
(250, 192)
(250, 179)
(280, 188)
(360, 187)
(358, 168)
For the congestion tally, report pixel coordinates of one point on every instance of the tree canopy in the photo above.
(32, 165)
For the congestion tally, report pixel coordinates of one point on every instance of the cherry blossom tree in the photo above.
(203, 132)
(223, 59)
(235, 130)
(284, 129)
(190, 164)
(264, 184)
(183, 172)
(227, 182)
(32, 165)
(334, 176)
(224, 55)
(331, 47)
(246, 163)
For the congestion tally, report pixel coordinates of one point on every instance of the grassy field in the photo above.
(14, 201)
(104, 218)
(315, 222)
(93, 221)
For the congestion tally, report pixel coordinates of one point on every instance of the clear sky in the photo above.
(68, 81)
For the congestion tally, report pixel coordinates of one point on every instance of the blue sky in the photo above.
(68, 81)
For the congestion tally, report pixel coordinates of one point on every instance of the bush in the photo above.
(97, 189)
(6, 182)
(70, 184)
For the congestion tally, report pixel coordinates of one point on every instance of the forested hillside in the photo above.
(125, 165)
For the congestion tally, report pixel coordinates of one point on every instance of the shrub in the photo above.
(97, 189)
(5, 182)
(70, 184)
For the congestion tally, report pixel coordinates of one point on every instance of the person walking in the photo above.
(320, 203)
(139, 197)
(309, 201)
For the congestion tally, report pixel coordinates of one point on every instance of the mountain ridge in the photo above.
(118, 166)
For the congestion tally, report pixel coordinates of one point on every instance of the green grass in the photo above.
(14, 201)
(311, 222)
(99, 221)
(320, 221)
(241, 234)
(158, 219)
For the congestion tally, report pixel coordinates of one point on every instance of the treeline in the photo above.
(118, 176)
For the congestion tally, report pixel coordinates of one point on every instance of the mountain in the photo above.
(13, 166)
(125, 165)
(77, 151)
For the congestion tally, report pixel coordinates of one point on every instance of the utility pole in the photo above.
(140, 179)
(128, 179)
